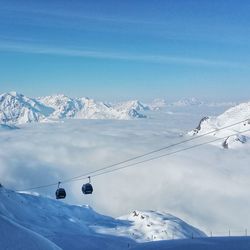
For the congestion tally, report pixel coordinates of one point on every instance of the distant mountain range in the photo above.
(16, 108)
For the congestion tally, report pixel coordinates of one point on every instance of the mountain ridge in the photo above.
(16, 108)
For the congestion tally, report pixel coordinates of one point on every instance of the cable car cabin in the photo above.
(87, 188)
(60, 193)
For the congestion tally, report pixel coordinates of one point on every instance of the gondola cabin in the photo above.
(87, 188)
(60, 193)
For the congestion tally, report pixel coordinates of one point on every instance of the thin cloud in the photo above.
(148, 58)
(80, 16)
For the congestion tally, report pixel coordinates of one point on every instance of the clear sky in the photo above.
(121, 49)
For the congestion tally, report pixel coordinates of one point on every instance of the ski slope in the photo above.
(46, 223)
(15, 236)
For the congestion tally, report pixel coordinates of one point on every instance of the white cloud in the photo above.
(34, 48)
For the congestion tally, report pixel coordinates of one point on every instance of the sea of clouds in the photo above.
(207, 186)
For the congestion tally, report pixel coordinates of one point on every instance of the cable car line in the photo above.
(95, 172)
(164, 155)
(83, 176)
(154, 151)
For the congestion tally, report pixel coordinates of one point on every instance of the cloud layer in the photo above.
(206, 186)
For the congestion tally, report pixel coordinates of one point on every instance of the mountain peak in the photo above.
(155, 225)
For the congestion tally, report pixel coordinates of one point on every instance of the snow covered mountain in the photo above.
(86, 108)
(134, 104)
(61, 106)
(18, 109)
(154, 226)
(57, 225)
(233, 115)
(92, 109)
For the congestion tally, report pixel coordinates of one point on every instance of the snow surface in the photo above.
(14, 236)
(220, 243)
(42, 221)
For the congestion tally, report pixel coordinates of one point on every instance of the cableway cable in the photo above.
(108, 169)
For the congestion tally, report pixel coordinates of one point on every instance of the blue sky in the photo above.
(126, 49)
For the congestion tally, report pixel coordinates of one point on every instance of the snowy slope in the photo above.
(71, 227)
(218, 243)
(154, 226)
(233, 115)
(34, 222)
(14, 236)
